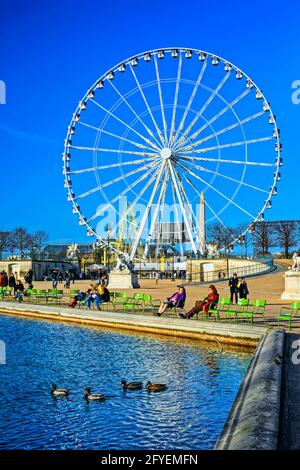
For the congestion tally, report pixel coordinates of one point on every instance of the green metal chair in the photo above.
(41, 296)
(120, 298)
(257, 308)
(241, 308)
(150, 303)
(54, 295)
(72, 293)
(134, 303)
(3, 292)
(291, 312)
(31, 298)
(221, 307)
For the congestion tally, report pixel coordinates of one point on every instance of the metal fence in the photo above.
(219, 275)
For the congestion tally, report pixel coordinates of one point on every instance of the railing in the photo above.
(219, 275)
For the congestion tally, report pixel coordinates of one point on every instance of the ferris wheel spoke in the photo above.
(104, 167)
(109, 183)
(147, 210)
(138, 197)
(220, 113)
(191, 213)
(103, 131)
(125, 191)
(187, 225)
(161, 100)
(204, 107)
(177, 221)
(222, 131)
(201, 168)
(122, 122)
(220, 160)
(147, 106)
(172, 133)
(206, 203)
(157, 209)
(217, 217)
(129, 152)
(136, 115)
(188, 107)
(216, 190)
(233, 144)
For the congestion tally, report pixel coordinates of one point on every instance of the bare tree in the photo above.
(36, 242)
(20, 240)
(222, 236)
(286, 235)
(263, 236)
(4, 242)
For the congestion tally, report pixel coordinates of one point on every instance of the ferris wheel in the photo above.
(181, 138)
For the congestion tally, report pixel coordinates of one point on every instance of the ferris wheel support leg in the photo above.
(146, 213)
(182, 208)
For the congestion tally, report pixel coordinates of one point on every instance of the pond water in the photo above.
(202, 384)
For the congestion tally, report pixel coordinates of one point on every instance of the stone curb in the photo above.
(253, 422)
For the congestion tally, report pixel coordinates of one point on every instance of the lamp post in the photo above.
(108, 231)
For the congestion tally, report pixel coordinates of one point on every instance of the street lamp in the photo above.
(108, 231)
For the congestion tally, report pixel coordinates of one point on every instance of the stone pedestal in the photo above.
(123, 280)
(292, 286)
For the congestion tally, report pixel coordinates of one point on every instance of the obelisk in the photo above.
(202, 247)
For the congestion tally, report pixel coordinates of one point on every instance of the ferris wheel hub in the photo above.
(166, 153)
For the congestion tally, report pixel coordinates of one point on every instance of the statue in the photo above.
(296, 264)
(72, 251)
(124, 264)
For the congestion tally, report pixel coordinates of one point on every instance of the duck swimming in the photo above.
(93, 396)
(131, 385)
(59, 391)
(155, 387)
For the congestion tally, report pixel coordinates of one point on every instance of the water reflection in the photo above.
(188, 415)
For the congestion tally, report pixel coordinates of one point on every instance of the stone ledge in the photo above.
(234, 334)
(253, 422)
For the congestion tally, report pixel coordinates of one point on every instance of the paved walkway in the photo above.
(269, 287)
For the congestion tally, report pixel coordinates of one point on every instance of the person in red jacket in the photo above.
(203, 305)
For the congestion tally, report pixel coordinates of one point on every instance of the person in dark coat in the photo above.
(12, 283)
(243, 289)
(233, 284)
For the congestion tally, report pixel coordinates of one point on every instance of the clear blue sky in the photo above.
(51, 52)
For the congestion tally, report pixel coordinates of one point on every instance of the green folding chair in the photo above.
(150, 303)
(134, 303)
(217, 310)
(257, 308)
(288, 313)
(241, 307)
(120, 298)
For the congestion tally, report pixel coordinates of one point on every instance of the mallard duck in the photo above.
(93, 396)
(131, 385)
(155, 387)
(59, 391)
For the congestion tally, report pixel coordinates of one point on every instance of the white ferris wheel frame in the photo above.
(164, 140)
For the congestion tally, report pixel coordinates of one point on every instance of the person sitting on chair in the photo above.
(177, 299)
(203, 305)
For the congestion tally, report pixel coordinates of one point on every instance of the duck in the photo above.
(155, 387)
(93, 396)
(131, 385)
(63, 392)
